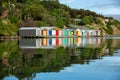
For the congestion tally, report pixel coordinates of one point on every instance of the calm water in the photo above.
(60, 59)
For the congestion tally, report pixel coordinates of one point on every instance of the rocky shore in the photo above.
(9, 37)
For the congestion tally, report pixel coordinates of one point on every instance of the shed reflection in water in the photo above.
(69, 57)
(56, 42)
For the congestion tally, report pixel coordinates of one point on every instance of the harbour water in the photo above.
(93, 58)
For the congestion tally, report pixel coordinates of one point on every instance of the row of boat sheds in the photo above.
(55, 32)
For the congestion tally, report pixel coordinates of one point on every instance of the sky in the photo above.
(99, 6)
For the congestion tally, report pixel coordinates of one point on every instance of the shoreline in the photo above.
(18, 37)
(9, 37)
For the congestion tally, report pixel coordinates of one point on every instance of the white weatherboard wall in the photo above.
(60, 32)
(53, 32)
(38, 32)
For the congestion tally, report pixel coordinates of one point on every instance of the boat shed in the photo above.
(29, 32)
(65, 32)
(78, 32)
(84, 33)
(46, 31)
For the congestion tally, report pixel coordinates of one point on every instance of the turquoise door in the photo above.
(65, 32)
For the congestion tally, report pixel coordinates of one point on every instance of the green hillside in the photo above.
(50, 13)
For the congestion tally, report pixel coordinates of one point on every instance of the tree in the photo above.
(85, 20)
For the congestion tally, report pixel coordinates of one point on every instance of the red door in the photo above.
(57, 32)
(76, 33)
(101, 33)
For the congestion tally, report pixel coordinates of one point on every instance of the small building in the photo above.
(47, 31)
(97, 32)
(53, 32)
(65, 32)
(93, 32)
(29, 32)
(90, 32)
(69, 32)
(87, 33)
(78, 32)
(84, 33)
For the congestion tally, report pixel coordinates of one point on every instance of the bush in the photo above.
(13, 19)
(85, 20)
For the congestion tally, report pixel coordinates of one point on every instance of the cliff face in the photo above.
(116, 31)
(4, 13)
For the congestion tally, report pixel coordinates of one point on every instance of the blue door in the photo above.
(50, 32)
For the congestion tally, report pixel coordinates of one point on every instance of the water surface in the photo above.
(60, 59)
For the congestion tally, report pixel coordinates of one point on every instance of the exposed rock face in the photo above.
(116, 43)
(116, 31)
(4, 13)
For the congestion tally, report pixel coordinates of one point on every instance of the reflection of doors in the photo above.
(65, 41)
(78, 41)
(87, 33)
(91, 34)
(72, 41)
(44, 42)
(50, 42)
(57, 42)
(44, 32)
(68, 41)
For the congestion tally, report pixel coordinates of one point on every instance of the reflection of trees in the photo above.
(8, 56)
(23, 63)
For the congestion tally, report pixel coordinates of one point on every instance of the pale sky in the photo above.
(99, 6)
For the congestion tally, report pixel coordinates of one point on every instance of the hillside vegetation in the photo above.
(50, 13)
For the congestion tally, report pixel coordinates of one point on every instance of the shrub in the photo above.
(13, 19)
